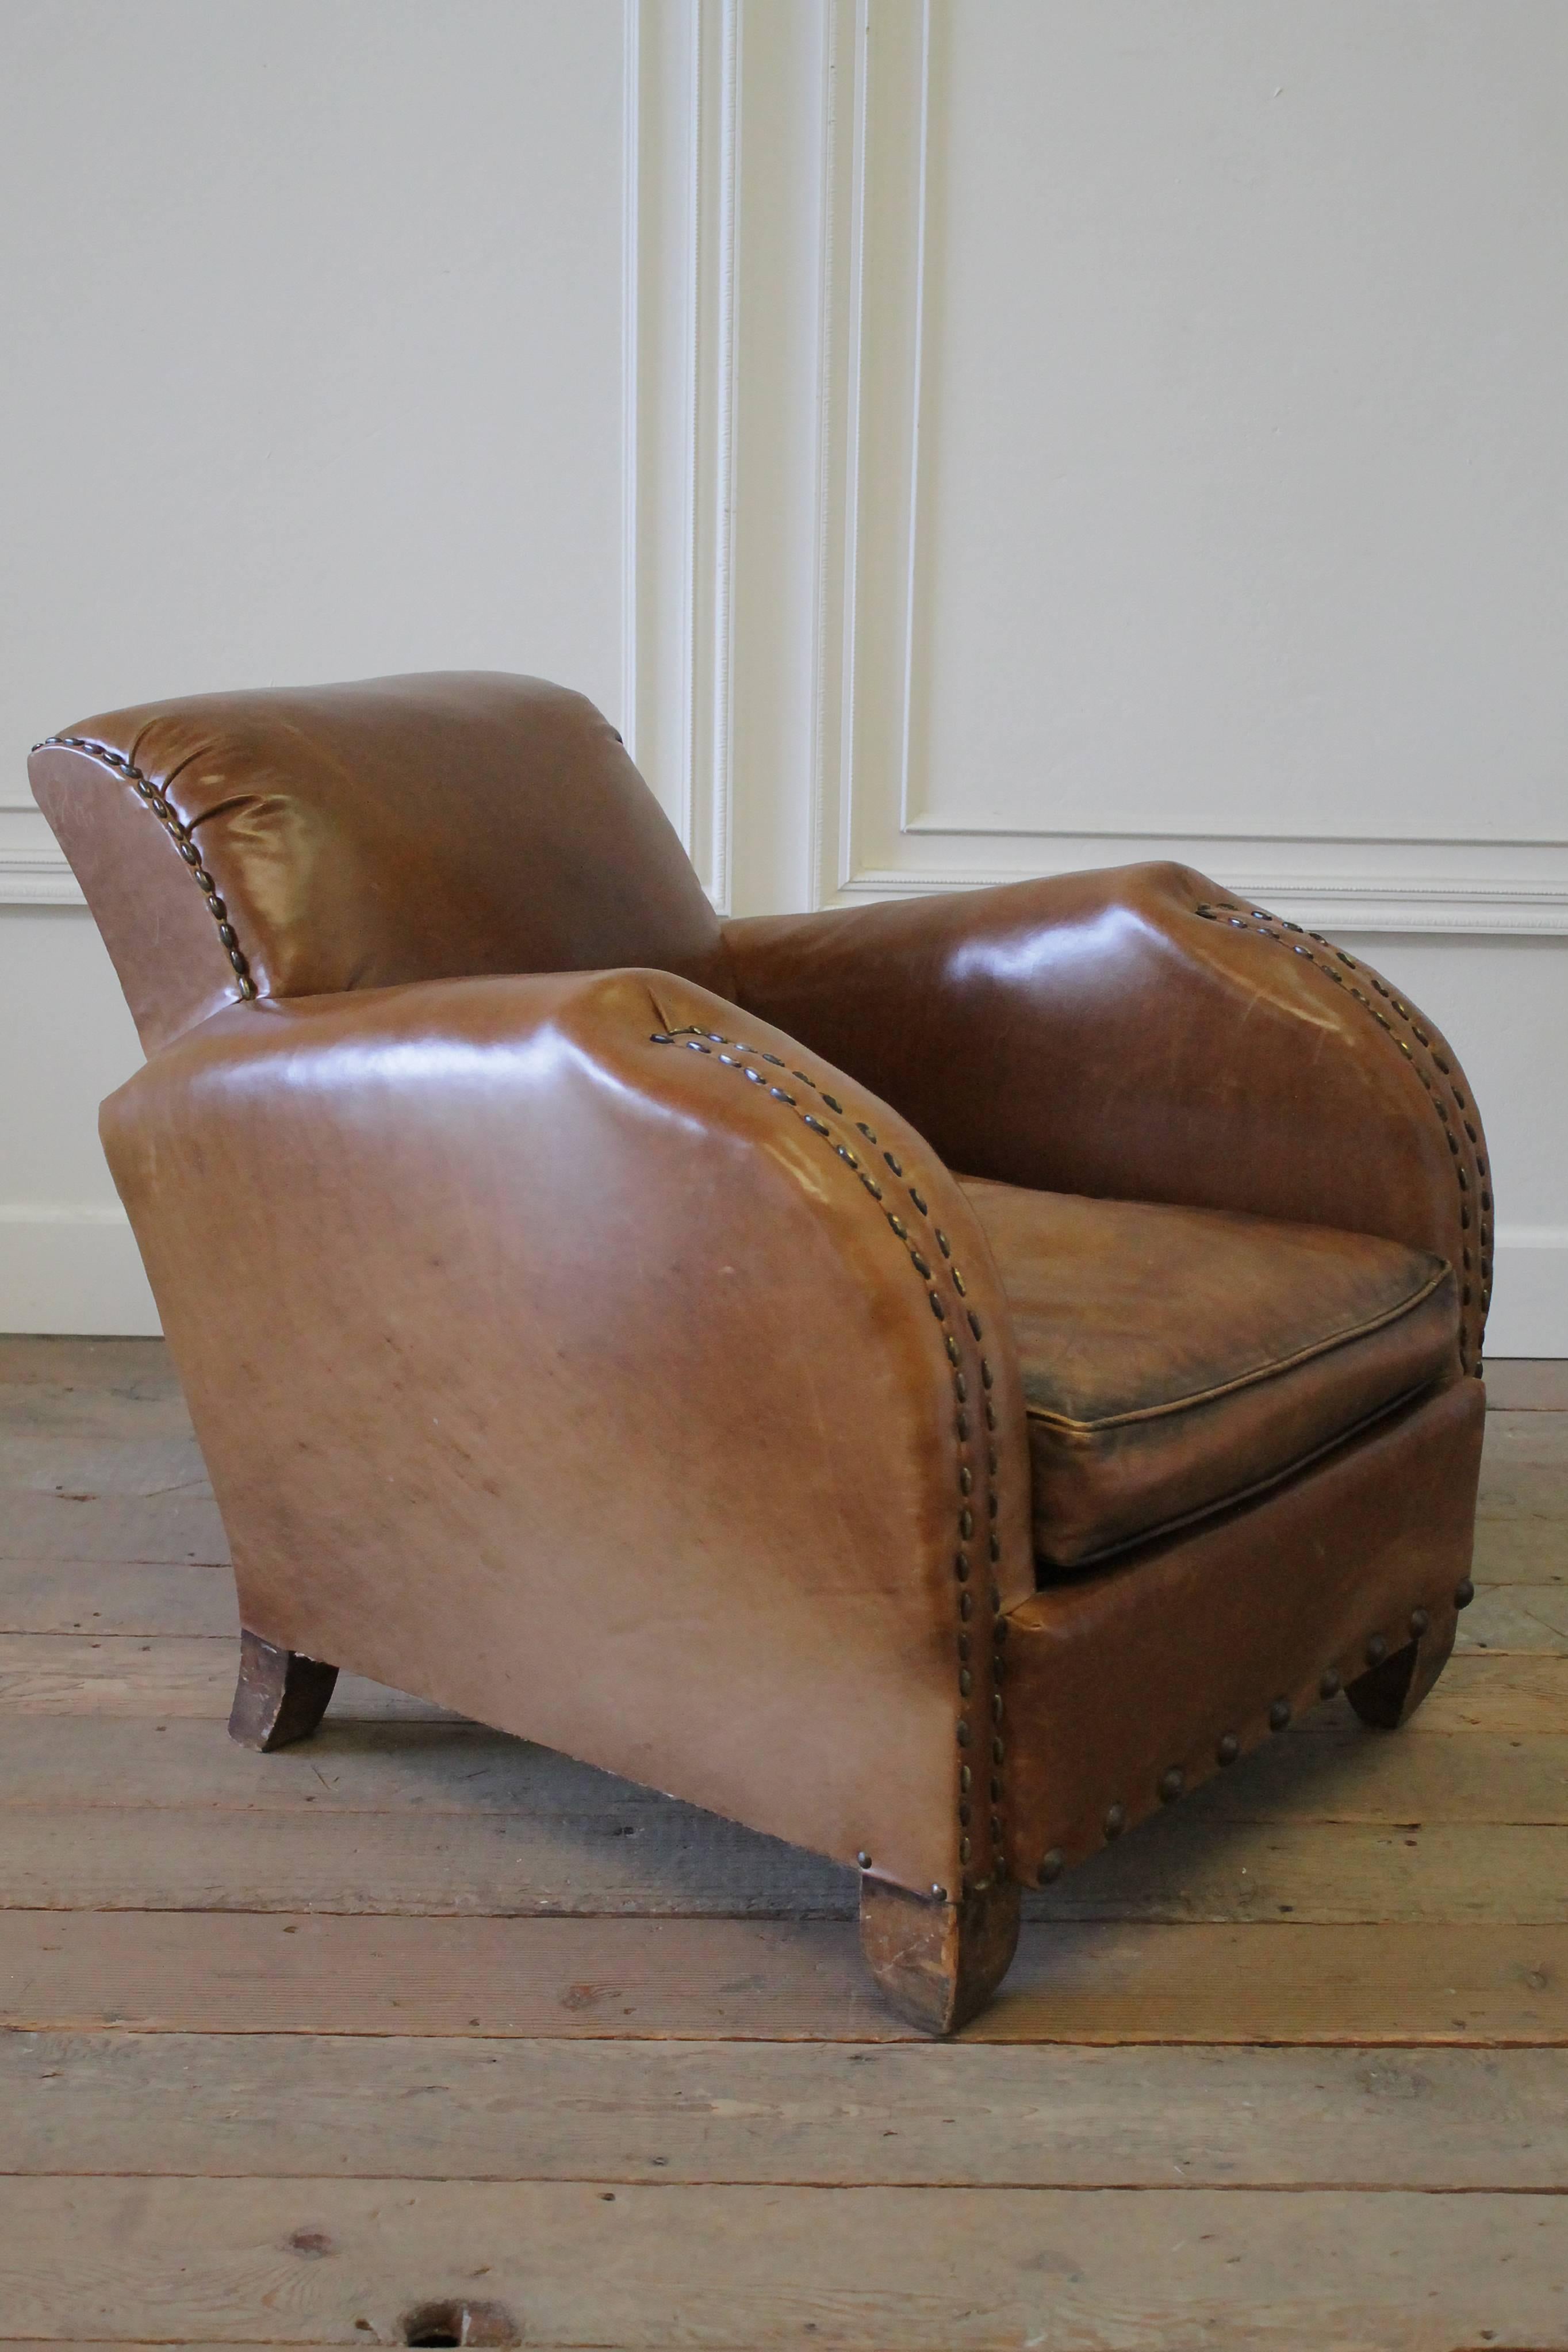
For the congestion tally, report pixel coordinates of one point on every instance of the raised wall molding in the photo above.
(708, 501)
(33, 873)
(1346, 904)
(681, 163)
(869, 839)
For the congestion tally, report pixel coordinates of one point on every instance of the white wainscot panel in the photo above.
(1195, 479)
(72, 1270)
(67, 1259)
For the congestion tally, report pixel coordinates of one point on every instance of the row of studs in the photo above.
(1263, 925)
(1172, 1783)
(731, 1053)
(179, 834)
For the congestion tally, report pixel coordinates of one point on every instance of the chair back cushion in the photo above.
(301, 841)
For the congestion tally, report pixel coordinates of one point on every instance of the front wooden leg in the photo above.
(938, 1963)
(281, 1696)
(1388, 1695)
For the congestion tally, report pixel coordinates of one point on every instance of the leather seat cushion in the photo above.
(1177, 1359)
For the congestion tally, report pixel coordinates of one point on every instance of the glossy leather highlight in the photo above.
(1097, 1034)
(584, 1326)
(576, 1381)
(401, 828)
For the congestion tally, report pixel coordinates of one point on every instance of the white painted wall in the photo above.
(1029, 434)
(312, 312)
(1185, 476)
(1245, 481)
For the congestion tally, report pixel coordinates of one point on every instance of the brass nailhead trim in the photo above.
(969, 1469)
(1265, 925)
(179, 834)
(1172, 1783)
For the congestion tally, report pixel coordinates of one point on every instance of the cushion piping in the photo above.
(1062, 1568)
(1246, 1380)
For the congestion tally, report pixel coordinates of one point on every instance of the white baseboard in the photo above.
(72, 1270)
(1529, 1292)
(76, 1270)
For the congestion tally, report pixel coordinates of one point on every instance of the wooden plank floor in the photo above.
(415, 2018)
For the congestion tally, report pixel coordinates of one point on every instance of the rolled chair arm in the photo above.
(1140, 1033)
(301, 841)
(661, 1357)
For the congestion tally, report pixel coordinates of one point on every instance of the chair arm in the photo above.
(559, 1359)
(1140, 1033)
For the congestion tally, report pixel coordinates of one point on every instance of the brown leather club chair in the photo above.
(935, 1381)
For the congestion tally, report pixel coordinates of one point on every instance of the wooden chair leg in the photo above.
(1387, 1695)
(938, 1964)
(281, 1696)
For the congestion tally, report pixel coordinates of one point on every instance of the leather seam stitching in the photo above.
(705, 1041)
(178, 833)
(1264, 1372)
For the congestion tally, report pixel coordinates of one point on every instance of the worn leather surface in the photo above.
(1174, 1359)
(401, 828)
(1098, 1033)
(549, 1361)
(1118, 1677)
(576, 1381)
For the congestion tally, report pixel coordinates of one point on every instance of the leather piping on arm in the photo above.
(179, 834)
(1435, 1070)
(979, 1658)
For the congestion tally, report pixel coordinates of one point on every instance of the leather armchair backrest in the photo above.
(303, 841)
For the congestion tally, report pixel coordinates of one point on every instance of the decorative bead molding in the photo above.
(1528, 905)
(881, 826)
(1430, 1060)
(680, 175)
(980, 1712)
(768, 657)
(178, 833)
(33, 873)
